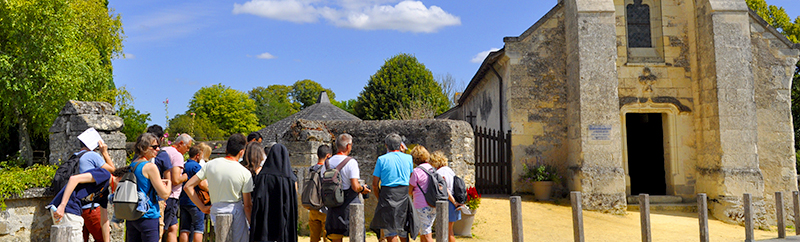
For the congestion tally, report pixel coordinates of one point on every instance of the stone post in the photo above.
(76, 117)
(702, 216)
(727, 155)
(442, 218)
(593, 105)
(779, 215)
(60, 233)
(222, 227)
(644, 215)
(356, 226)
(748, 218)
(577, 216)
(516, 219)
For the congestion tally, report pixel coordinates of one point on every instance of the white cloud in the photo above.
(481, 56)
(266, 55)
(405, 16)
(128, 56)
(287, 10)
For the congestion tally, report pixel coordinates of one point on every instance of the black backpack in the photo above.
(437, 188)
(311, 197)
(459, 190)
(332, 193)
(65, 170)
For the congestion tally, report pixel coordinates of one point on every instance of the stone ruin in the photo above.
(454, 138)
(76, 117)
(25, 218)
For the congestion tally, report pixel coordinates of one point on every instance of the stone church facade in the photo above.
(665, 97)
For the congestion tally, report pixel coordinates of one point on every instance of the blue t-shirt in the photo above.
(90, 160)
(98, 189)
(394, 169)
(190, 168)
(163, 162)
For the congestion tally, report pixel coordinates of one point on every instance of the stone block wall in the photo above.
(773, 64)
(536, 95)
(26, 219)
(76, 117)
(592, 100)
(454, 138)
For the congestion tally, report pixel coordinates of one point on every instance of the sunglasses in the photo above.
(155, 147)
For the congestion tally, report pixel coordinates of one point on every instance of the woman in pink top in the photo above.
(419, 179)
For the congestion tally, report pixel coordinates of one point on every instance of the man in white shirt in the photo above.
(336, 223)
(229, 186)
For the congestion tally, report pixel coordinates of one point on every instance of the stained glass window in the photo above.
(638, 16)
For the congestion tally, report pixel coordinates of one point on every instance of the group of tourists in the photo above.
(255, 185)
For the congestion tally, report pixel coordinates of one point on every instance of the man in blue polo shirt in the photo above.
(390, 180)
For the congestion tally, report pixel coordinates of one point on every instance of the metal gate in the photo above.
(492, 161)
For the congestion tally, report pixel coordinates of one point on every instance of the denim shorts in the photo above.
(171, 213)
(192, 220)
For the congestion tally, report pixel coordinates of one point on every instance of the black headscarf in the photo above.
(274, 216)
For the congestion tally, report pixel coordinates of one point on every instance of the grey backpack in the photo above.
(436, 189)
(332, 193)
(126, 197)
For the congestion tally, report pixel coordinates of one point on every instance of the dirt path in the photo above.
(552, 222)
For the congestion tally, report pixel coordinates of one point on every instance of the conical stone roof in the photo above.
(323, 110)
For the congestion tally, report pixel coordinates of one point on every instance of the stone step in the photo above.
(667, 207)
(655, 199)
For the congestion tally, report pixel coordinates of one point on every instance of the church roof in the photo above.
(323, 110)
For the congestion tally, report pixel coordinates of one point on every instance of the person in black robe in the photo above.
(274, 216)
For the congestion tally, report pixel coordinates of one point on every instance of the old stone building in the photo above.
(665, 97)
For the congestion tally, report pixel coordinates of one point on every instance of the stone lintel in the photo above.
(593, 6)
(728, 6)
(81, 107)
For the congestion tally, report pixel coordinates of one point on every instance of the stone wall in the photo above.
(773, 65)
(454, 138)
(76, 117)
(536, 95)
(26, 219)
(592, 101)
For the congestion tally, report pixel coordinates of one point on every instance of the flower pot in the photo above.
(463, 227)
(542, 190)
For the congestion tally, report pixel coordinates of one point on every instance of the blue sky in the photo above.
(174, 48)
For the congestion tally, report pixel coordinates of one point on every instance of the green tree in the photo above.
(273, 103)
(52, 51)
(399, 82)
(199, 128)
(346, 105)
(230, 109)
(306, 92)
(135, 121)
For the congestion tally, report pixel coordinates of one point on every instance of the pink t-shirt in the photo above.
(177, 161)
(419, 179)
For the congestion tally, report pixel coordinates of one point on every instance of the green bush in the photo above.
(15, 180)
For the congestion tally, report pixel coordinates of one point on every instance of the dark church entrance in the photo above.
(646, 153)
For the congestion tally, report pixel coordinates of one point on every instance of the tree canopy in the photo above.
(306, 92)
(399, 82)
(232, 110)
(52, 51)
(272, 103)
(199, 128)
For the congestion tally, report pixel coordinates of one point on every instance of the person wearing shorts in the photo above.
(424, 214)
(192, 222)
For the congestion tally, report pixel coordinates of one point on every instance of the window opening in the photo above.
(638, 17)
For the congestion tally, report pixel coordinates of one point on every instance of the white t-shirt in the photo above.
(349, 171)
(448, 175)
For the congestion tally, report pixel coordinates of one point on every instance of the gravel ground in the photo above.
(551, 221)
